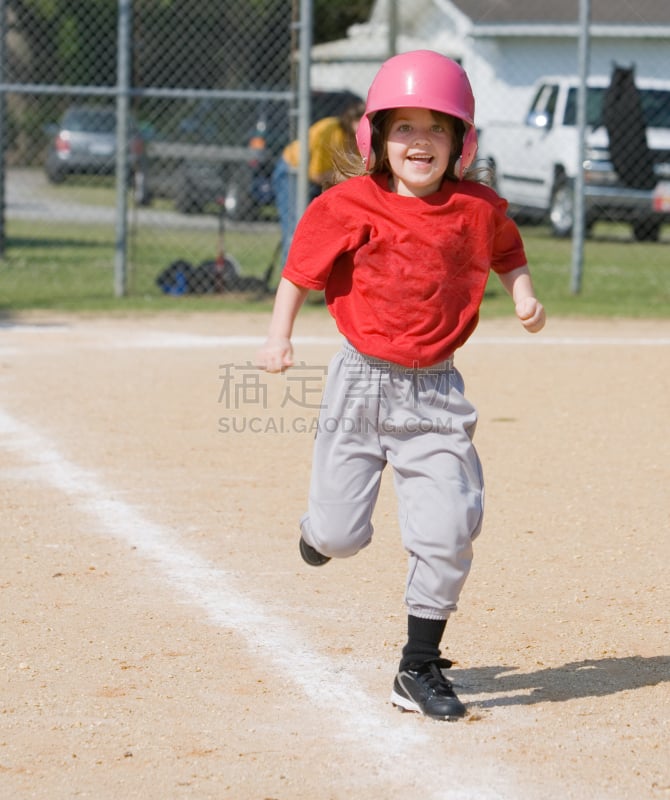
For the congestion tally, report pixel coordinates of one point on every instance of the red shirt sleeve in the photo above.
(323, 234)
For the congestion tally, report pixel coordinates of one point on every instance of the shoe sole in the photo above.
(404, 703)
(407, 704)
(308, 558)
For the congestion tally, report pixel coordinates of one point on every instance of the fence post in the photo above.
(393, 28)
(578, 222)
(304, 103)
(122, 94)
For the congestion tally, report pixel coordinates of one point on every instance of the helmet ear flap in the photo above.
(364, 141)
(469, 149)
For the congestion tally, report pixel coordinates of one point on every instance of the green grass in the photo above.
(620, 277)
(70, 267)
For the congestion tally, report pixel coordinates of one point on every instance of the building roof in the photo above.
(566, 12)
(420, 21)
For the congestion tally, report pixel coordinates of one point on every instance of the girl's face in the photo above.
(418, 148)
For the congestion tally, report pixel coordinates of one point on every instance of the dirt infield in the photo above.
(162, 639)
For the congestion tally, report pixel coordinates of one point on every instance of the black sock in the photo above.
(423, 641)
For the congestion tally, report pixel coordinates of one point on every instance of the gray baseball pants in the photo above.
(417, 420)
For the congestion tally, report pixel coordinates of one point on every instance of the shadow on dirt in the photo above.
(589, 678)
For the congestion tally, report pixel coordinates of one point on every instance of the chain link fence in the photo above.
(206, 95)
(202, 98)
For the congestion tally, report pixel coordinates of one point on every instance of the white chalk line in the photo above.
(338, 695)
(169, 340)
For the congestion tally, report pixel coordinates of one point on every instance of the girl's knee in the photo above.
(332, 539)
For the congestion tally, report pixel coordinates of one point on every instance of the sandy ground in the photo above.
(162, 639)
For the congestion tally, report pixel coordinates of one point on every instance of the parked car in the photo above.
(84, 143)
(227, 149)
(193, 149)
(535, 160)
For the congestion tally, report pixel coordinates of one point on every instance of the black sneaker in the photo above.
(311, 556)
(426, 690)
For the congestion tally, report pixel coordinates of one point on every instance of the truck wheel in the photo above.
(492, 175)
(561, 210)
(187, 200)
(646, 230)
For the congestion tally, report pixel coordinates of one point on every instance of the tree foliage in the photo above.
(176, 43)
(333, 18)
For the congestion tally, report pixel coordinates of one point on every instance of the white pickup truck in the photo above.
(534, 162)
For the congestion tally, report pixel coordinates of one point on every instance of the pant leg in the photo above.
(283, 185)
(347, 462)
(439, 482)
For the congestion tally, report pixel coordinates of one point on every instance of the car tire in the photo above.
(186, 201)
(646, 230)
(55, 175)
(561, 209)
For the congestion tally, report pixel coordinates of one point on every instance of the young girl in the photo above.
(403, 253)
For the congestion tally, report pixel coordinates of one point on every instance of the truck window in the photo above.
(594, 106)
(542, 110)
(655, 107)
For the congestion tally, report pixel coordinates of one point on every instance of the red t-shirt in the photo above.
(404, 276)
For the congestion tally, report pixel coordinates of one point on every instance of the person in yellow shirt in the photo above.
(328, 137)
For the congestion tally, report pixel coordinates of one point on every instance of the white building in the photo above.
(504, 45)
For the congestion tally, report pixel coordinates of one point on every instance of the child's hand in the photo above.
(531, 314)
(275, 355)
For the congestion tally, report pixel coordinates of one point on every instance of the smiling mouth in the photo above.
(420, 159)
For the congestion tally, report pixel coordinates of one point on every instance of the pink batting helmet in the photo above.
(421, 79)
